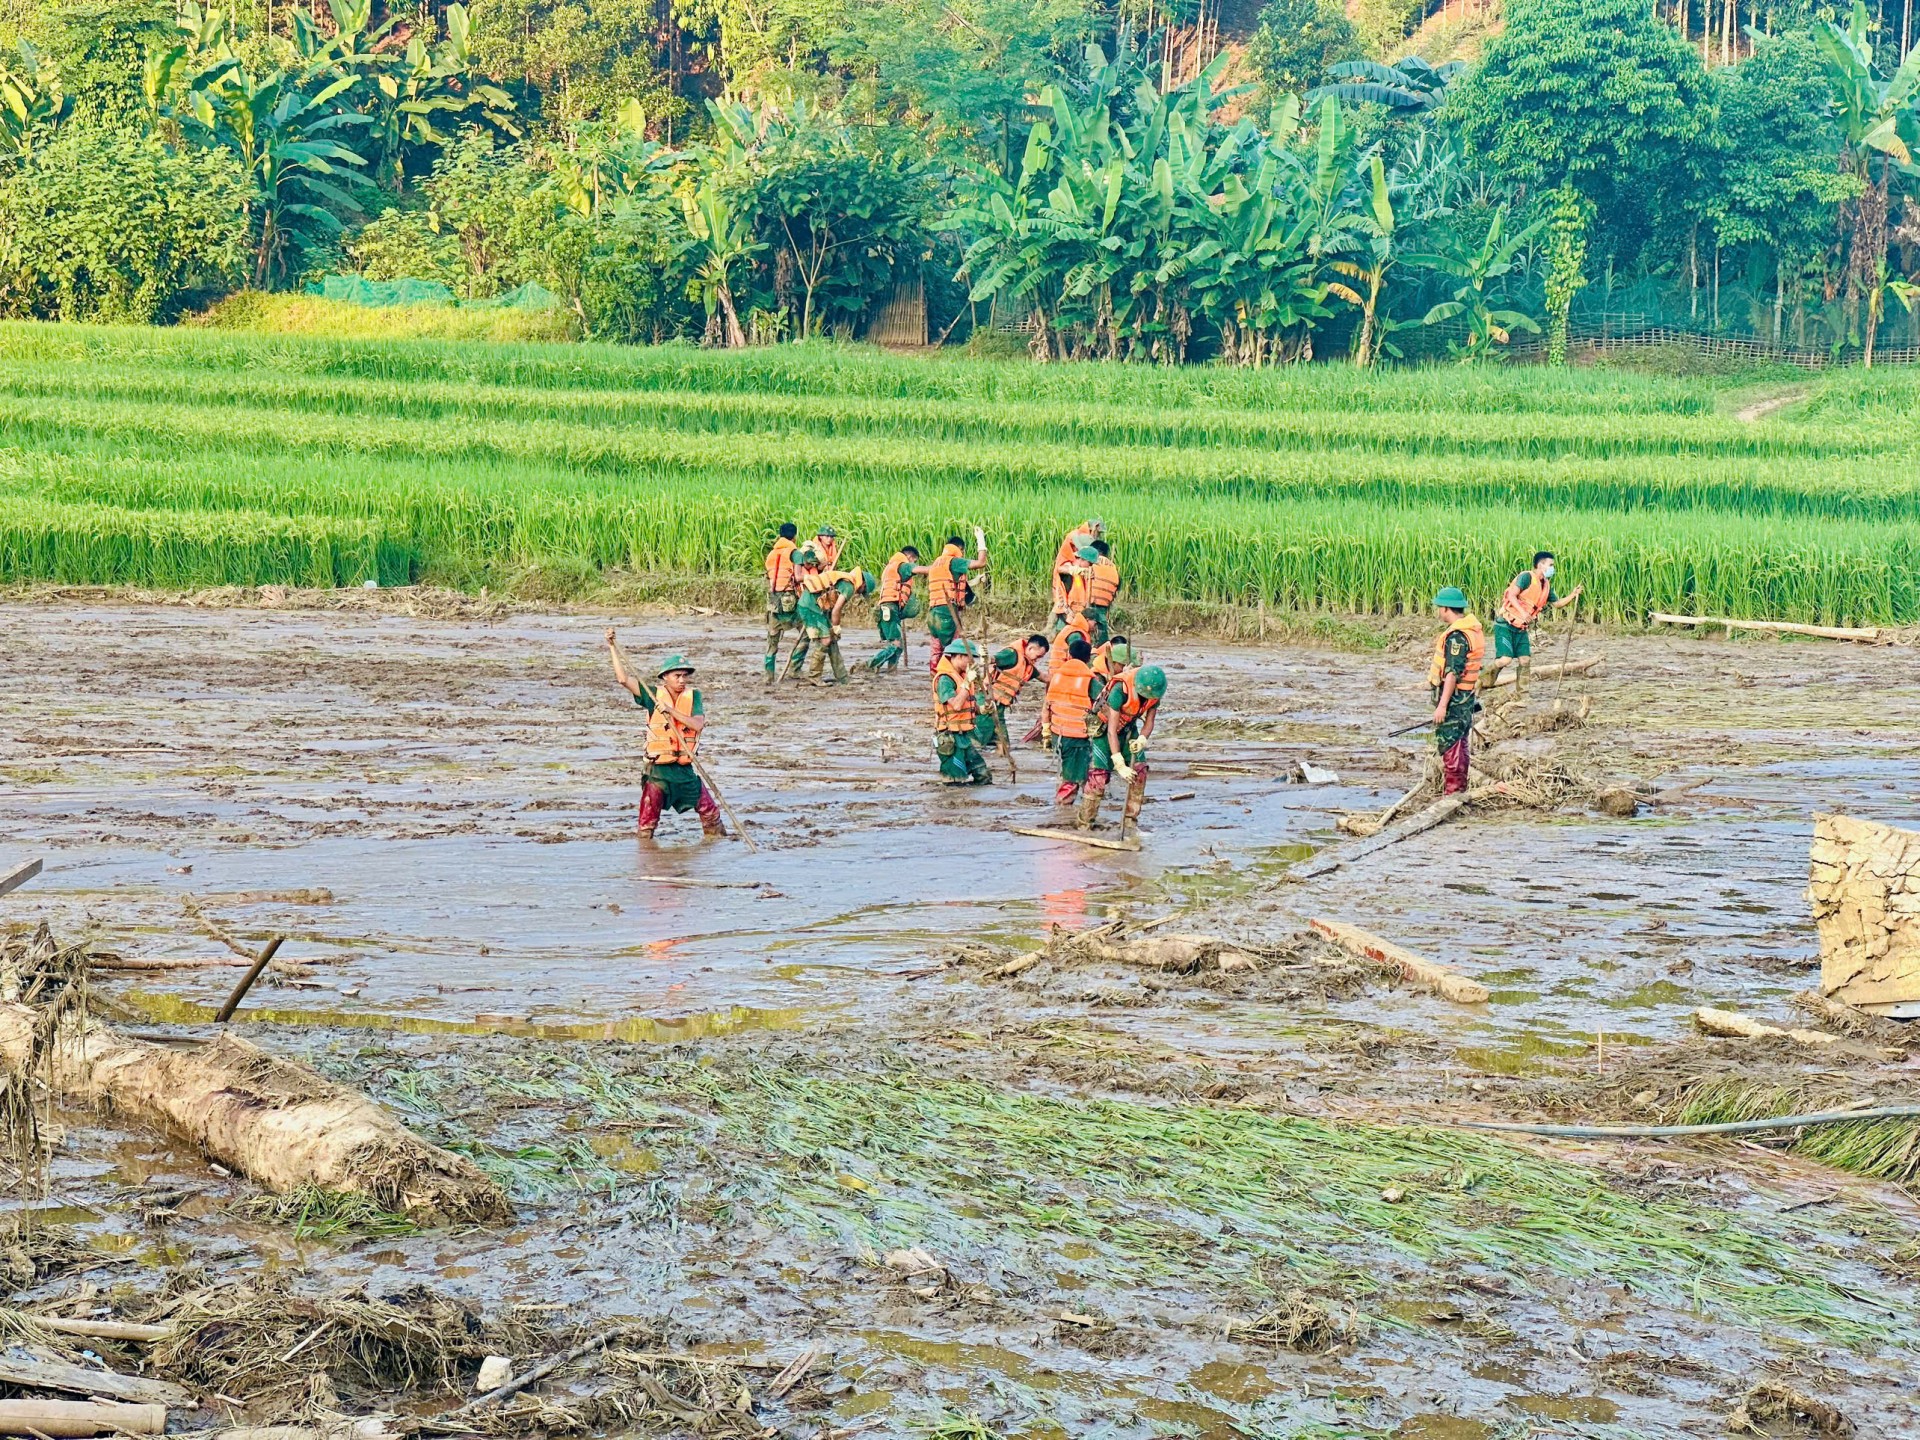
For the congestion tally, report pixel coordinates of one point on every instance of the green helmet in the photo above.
(868, 585)
(672, 663)
(1088, 554)
(1151, 682)
(1451, 598)
(826, 532)
(1120, 654)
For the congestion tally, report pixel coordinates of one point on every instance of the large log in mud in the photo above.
(276, 1121)
(1865, 892)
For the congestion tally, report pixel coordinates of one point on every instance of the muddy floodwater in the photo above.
(725, 1086)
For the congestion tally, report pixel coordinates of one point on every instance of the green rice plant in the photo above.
(1887, 1149)
(316, 1214)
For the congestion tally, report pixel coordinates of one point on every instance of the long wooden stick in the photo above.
(546, 1368)
(1566, 650)
(1825, 632)
(19, 876)
(698, 769)
(246, 981)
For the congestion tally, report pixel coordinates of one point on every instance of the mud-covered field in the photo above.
(776, 1102)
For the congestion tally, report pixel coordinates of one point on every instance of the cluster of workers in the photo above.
(1099, 702)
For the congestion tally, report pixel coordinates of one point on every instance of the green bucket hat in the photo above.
(672, 663)
(1452, 598)
(1151, 682)
(867, 582)
(826, 532)
(1088, 554)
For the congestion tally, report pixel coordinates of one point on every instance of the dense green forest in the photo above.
(1119, 179)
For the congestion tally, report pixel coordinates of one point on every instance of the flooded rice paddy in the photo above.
(725, 1086)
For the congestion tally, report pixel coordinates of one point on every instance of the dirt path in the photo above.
(1760, 409)
(729, 1085)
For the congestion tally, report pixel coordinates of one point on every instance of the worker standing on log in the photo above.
(676, 716)
(956, 715)
(1103, 584)
(950, 589)
(783, 593)
(1123, 725)
(1064, 558)
(1529, 595)
(1067, 719)
(1454, 675)
(897, 604)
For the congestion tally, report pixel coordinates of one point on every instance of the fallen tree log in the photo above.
(92, 1329)
(85, 1380)
(1867, 634)
(1731, 1024)
(272, 1119)
(1441, 810)
(1449, 984)
(1550, 671)
(62, 1419)
(1181, 954)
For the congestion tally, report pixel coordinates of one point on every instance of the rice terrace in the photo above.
(959, 719)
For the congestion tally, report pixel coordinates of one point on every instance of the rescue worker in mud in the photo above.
(1110, 658)
(1454, 675)
(1004, 676)
(783, 593)
(898, 603)
(1123, 725)
(1103, 584)
(676, 716)
(1064, 558)
(950, 589)
(1066, 722)
(1077, 626)
(1529, 595)
(956, 714)
(823, 596)
(825, 546)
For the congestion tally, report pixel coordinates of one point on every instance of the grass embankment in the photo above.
(255, 313)
(166, 457)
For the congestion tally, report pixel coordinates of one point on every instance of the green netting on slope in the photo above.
(380, 294)
(530, 296)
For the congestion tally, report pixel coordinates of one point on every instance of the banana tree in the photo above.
(31, 103)
(1476, 296)
(724, 243)
(1886, 283)
(1369, 273)
(1880, 130)
(611, 163)
(1409, 86)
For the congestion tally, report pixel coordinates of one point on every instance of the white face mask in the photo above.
(1547, 569)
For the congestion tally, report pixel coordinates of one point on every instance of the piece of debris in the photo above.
(80, 1417)
(1424, 974)
(278, 1121)
(1864, 887)
(1439, 812)
(1299, 1323)
(495, 1371)
(1866, 634)
(1619, 801)
(20, 1369)
(1733, 1025)
(1314, 775)
(1769, 1403)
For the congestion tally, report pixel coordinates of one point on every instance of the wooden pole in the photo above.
(18, 876)
(1566, 650)
(254, 971)
(1866, 634)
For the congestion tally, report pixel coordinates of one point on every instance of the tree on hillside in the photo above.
(1596, 94)
(1298, 40)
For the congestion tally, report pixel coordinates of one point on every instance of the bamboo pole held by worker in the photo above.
(698, 768)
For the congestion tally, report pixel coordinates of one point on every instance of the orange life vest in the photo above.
(780, 574)
(827, 549)
(1069, 551)
(895, 587)
(1520, 608)
(1103, 581)
(1468, 625)
(1136, 706)
(1008, 683)
(1082, 627)
(955, 716)
(1070, 698)
(943, 586)
(1077, 589)
(670, 741)
(818, 582)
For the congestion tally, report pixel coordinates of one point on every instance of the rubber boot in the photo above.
(1088, 809)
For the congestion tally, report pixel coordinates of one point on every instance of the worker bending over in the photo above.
(897, 604)
(676, 716)
(956, 714)
(1123, 725)
(823, 599)
(1454, 675)
(1529, 594)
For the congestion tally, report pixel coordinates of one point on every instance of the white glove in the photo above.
(1122, 769)
(979, 537)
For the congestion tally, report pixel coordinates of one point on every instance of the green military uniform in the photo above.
(1460, 708)
(820, 627)
(891, 621)
(943, 621)
(679, 781)
(960, 755)
(1509, 641)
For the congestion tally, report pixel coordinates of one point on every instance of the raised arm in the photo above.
(620, 675)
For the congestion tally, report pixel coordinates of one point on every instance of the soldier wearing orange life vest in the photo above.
(1454, 674)
(1124, 721)
(676, 716)
(1077, 625)
(895, 604)
(1529, 596)
(956, 714)
(1065, 558)
(950, 589)
(783, 593)
(1007, 676)
(1067, 720)
(1103, 584)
